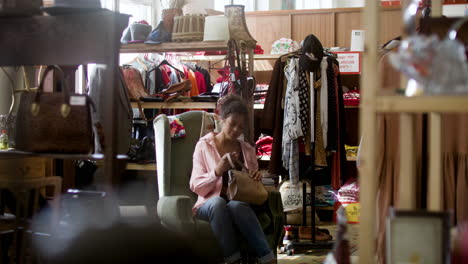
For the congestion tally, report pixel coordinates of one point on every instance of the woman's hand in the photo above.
(224, 164)
(256, 175)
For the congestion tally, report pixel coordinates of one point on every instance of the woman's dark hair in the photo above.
(232, 104)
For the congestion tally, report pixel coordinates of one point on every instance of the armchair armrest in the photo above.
(275, 205)
(175, 214)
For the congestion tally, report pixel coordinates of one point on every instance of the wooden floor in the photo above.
(318, 256)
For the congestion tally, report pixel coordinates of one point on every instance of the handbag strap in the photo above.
(12, 87)
(231, 162)
(27, 87)
(65, 108)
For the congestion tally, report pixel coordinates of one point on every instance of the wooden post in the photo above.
(251, 101)
(436, 8)
(407, 175)
(368, 124)
(434, 195)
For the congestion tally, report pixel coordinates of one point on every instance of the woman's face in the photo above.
(233, 126)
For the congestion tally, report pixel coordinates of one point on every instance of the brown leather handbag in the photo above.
(57, 122)
(241, 187)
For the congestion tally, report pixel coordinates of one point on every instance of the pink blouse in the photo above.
(205, 158)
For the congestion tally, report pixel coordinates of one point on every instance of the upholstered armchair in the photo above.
(174, 167)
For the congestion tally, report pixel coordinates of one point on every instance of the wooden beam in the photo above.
(368, 131)
(174, 47)
(68, 181)
(143, 167)
(315, 11)
(251, 130)
(334, 30)
(434, 195)
(436, 8)
(175, 105)
(422, 104)
(407, 175)
(46, 40)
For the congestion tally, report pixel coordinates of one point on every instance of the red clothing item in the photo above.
(201, 83)
(264, 146)
(165, 76)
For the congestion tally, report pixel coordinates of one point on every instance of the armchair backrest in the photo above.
(174, 156)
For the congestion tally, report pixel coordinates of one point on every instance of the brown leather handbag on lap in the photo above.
(57, 122)
(241, 187)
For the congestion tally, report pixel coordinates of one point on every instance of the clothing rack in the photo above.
(313, 243)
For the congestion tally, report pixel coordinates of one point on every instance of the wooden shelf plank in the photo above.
(63, 40)
(221, 57)
(174, 47)
(133, 166)
(351, 106)
(176, 105)
(324, 208)
(141, 167)
(422, 104)
(18, 153)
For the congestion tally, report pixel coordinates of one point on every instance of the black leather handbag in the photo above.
(206, 97)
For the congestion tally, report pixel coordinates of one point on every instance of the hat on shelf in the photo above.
(61, 7)
(216, 28)
(159, 35)
(136, 32)
(284, 45)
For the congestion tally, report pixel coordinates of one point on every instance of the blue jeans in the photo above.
(224, 217)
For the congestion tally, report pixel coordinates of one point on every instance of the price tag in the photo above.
(77, 100)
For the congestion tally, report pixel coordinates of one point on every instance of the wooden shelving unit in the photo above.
(187, 47)
(176, 105)
(407, 107)
(70, 40)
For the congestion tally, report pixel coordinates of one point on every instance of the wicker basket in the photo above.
(188, 28)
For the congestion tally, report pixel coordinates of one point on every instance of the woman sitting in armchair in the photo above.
(209, 180)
